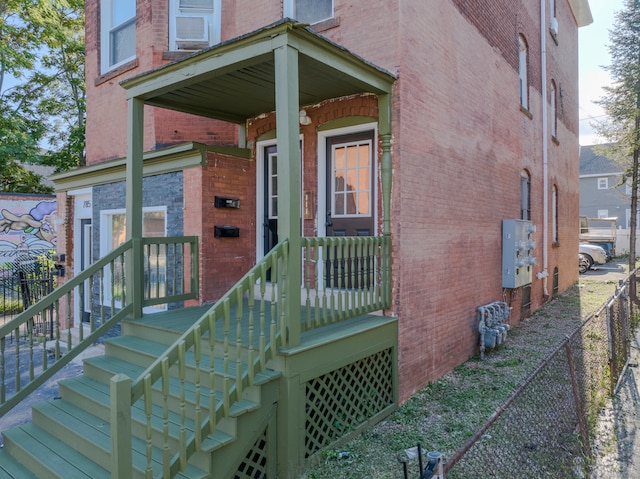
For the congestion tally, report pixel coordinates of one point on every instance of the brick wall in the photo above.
(460, 143)
(224, 260)
(106, 125)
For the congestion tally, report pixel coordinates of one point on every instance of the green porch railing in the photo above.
(344, 277)
(171, 268)
(239, 334)
(232, 342)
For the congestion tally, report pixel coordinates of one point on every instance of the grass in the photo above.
(446, 413)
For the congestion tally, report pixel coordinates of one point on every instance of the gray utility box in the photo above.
(517, 253)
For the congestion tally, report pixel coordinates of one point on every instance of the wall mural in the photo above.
(27, 225)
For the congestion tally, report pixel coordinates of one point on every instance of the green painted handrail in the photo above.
(344, 277)
(59, 304)
(237, 372)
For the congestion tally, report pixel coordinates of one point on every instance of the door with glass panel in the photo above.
(85, 262)
(350, 205)
(270, 220)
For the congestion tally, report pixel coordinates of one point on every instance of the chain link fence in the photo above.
(544, 428)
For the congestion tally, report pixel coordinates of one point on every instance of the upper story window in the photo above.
(553, 111)
(193, 24)
(522, 68)
(603, 183)
(525, 196)
(309, 11)
(117, 33)
(553, 20)
(554, 213)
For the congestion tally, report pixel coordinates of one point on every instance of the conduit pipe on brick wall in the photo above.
(544, 274)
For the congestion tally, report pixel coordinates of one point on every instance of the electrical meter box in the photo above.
(517, 253)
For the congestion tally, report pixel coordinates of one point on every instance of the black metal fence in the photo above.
(26, 276)
(544, 428)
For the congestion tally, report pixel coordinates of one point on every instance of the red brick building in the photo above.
(484, 124)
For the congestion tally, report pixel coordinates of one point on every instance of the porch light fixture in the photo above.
(304, 119)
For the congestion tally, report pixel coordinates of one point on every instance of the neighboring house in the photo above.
(363, 158)
(602, 193)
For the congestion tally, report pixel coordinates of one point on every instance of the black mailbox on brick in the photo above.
(226, 231)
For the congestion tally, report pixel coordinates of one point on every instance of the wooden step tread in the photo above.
(100, 394)
(12, 469)
(116, 366)
(84, 426)
(36, 446)
(153, 350)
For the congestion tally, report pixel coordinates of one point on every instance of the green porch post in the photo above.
(134, 262)
(384, 125)
(289, 184)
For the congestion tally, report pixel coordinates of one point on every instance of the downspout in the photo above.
(544, 274)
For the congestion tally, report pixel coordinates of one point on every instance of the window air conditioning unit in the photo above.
(554, 26)
(192, 32)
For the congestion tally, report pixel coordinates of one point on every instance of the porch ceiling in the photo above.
(236, 80)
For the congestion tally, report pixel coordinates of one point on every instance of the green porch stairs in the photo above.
(206, 391)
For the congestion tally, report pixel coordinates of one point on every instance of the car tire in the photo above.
(583, 264)
(588, 259)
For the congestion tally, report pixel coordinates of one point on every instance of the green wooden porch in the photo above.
(203, 391)
(294, 358)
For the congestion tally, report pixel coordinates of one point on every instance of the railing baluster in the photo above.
(157, 268)
(307, 284)
(3, 386)
(30, 346)
(263, 287)
(92, 325)
(182, 368)
(197, 356)
(213, 406)
(327, 279)
(148, 403)
(17, 333)
(225, 367)
(166, 452)
(282, 290)
(238, 357)
(177, 259)
(251, 349)
(274, 306)
(102, 296)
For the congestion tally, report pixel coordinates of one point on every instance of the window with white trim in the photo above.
(117, 33)
(308, 11)
(193, 24)
(553, 112)
(351, 177)
(603, 183)
(525, 195)
(553, 21)
(113, 227)
(554, 212)
(603, 213)
(522, 69)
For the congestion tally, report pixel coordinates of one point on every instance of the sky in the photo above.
(593, 55)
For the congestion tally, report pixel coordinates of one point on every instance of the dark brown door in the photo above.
(350, 204)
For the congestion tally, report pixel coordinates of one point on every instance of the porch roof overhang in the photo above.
(236, 80)
(156, 162)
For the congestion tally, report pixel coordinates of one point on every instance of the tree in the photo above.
(42, 96)
(621, 103)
